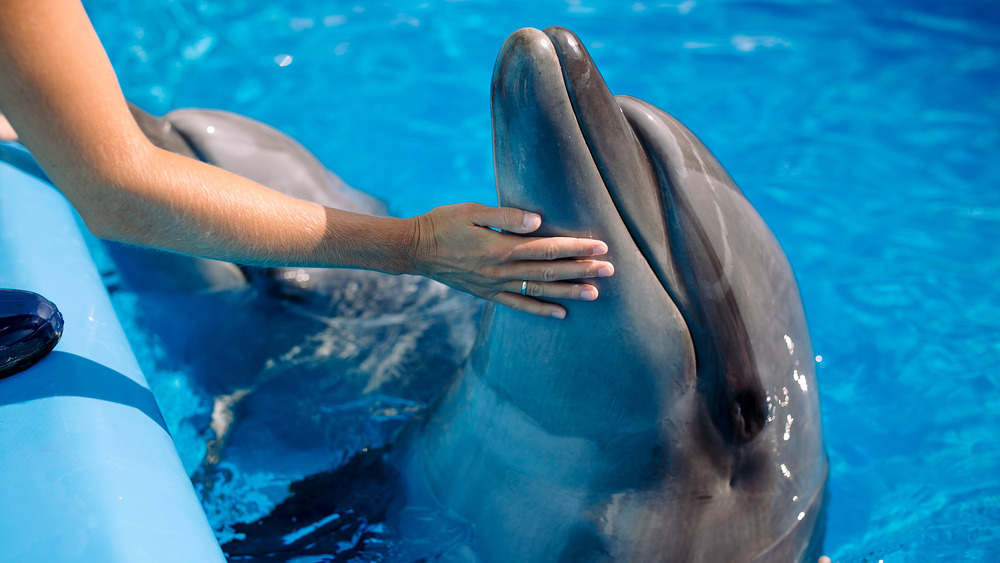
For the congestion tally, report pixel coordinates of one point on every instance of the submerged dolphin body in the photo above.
(674, 419)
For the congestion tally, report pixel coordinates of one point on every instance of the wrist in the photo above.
(394, 246)
(418, 235)
(404, 257)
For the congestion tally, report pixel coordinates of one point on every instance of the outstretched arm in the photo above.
(6, 131)
(61, 95)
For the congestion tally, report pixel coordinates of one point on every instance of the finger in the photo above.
(553, 248)
(557, 270)
(530, 305)
(508, 219)
(582, 291)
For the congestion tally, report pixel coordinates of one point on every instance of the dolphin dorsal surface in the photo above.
(258, 152)
(261, 153)
(676, 418)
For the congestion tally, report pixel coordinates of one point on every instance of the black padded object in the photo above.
(30, 326)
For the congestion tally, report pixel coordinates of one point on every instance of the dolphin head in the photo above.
(675, 418)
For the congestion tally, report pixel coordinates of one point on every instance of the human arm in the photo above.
(6, 131)
(60, 93)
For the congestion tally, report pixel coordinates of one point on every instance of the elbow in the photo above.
(107, 201)
(101, 229)
(103, 223)
(112, 213)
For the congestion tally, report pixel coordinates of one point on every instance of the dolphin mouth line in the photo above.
(567, 81)
(571, 85)
(664, 228)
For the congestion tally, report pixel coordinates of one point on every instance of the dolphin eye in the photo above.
(747, 416)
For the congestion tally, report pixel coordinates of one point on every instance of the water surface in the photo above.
(866, 133)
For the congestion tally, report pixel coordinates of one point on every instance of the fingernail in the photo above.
(532, 221)
(559, 314)
(600, 249)
(588, 294)
(604, 272)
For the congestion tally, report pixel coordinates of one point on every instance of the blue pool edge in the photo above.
(89, 471)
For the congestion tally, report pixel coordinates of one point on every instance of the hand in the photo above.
(456, 245)
(7, 132)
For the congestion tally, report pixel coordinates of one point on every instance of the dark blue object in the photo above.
(30, 326)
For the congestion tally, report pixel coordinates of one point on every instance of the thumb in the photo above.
(510, 219)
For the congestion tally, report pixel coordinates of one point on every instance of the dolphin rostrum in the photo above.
(674, 419)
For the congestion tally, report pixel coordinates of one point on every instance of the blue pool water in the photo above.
(867, 134)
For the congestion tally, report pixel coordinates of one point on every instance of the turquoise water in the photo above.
(867, 134)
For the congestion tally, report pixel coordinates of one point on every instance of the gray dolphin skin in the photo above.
(674, 419)
(256, 151)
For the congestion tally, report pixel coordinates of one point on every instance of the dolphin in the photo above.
(674, 419)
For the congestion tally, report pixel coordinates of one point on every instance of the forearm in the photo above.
(162, 200)
(61, 95)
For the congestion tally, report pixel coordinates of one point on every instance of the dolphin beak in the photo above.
(564, 148)
(628, 174)
(552, 108)
(541, 159)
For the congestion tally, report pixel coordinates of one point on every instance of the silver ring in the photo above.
(524, 287)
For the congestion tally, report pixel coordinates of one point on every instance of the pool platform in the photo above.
(88, 472)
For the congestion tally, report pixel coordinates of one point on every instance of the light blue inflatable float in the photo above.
(88, 471)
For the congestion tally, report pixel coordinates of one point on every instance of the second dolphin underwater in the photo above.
(674, 419)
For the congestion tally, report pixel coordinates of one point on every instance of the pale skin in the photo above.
(63, 99)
